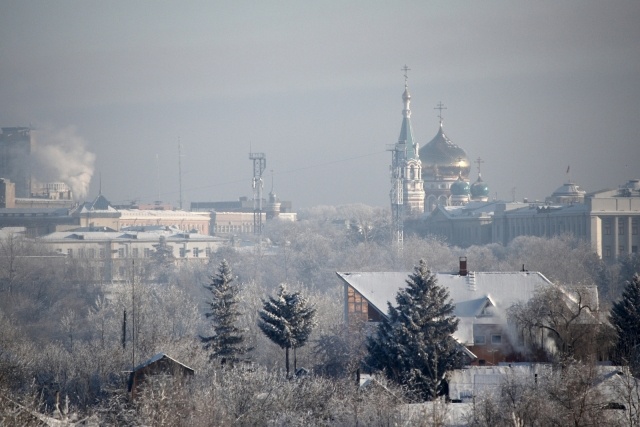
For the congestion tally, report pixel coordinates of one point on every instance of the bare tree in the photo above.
(562, 322)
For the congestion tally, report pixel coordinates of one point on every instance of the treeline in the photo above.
(65, 347)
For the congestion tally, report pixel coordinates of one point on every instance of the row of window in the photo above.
(244, 228)
(607, 224)
(181, 225)
(135, 252)
(482, 340)
(621, 250)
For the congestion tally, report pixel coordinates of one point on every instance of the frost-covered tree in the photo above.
(287, 320)
(566, 317)
(625, 319)
(413, 345)
(163, 259)
(227, 342)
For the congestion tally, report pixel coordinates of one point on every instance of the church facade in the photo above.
(436, 174)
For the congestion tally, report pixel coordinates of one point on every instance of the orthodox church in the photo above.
(435, 174)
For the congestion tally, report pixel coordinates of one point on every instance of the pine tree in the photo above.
(414, 346)
(227, 343)
(163, 259)
(625, 318)
(287, 320)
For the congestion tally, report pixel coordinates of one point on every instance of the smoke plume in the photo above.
(60, 155)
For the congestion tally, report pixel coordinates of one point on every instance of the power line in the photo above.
(288, 171)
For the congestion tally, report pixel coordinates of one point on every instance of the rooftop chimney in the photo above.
(463, 266)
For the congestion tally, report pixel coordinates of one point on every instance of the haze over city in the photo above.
(534, 89)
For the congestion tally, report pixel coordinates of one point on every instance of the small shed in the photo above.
(160, 364)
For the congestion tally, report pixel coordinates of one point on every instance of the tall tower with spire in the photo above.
(411, 166)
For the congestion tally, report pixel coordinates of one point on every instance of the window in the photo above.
(634, 227)
(91, 252)
(196, 252)
(607, 227)
(207, 251)
(121, 253)
(69, 253)
(479, 340)
(607, 251)
(135, 252)
(621, 249)
(183, 252)
(496, 339)
(81, 253)
(620, 228)
(101, 252)
(147, 253)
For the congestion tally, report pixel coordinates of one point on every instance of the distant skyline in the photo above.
(532, 88)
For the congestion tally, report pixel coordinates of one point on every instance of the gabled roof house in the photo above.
(481, 300)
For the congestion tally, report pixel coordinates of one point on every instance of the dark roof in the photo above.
(99, 204)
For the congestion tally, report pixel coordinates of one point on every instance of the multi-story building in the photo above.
(608, 219)
(100, 254)
(239, 216)
(16, 145)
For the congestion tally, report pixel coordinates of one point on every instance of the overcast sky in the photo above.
(531, 87)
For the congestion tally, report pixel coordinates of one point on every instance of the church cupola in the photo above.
(442, 163)
(479, 189)
(460, 192)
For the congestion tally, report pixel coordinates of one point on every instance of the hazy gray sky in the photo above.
(531, 87)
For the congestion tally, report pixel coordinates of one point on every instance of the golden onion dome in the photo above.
(447, 157)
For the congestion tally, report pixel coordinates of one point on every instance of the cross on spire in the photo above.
(479, 161)
(405, 69)
(440, 107)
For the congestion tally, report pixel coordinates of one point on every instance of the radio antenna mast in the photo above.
(180, 171)
(259, 165)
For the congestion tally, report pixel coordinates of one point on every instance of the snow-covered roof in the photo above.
(138, 213)
(476, 209)
(158, 357)
(149, 236)
(470, 294)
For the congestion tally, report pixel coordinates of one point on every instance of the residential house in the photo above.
(481, 300)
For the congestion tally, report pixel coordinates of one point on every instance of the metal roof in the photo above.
(470, 294)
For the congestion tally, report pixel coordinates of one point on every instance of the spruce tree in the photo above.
(414, 346)
(287, 320)
(625, 318)
(227, 342)
(163, 259)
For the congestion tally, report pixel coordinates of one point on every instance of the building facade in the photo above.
(16, 146)
(607, 219)
(102, 255)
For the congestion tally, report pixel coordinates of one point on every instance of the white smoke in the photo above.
(60, 155)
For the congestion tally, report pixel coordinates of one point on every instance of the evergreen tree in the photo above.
(414, 346)
(227, 343)
(287, 320)
(625, 318)
(163, 259)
